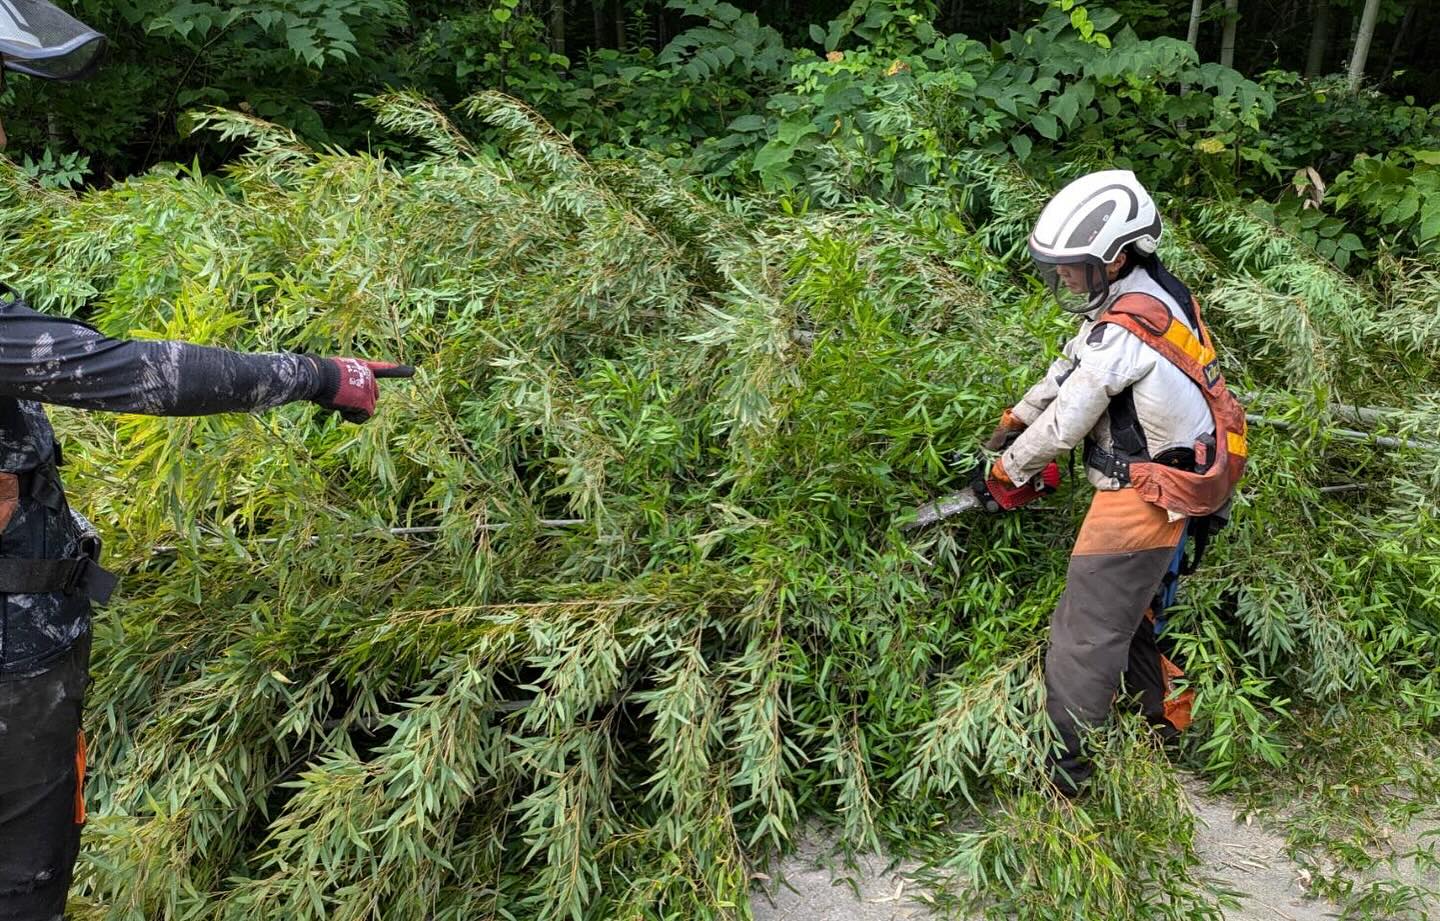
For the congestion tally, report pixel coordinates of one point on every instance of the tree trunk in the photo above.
(620, 24)
(1400, 36)
(954, 13)
(557, 26)
(1227, 38)
(1319, 39)
(597, 10)
(1192, 36)
(1362, 43)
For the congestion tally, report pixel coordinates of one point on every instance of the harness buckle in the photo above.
(1108, 463)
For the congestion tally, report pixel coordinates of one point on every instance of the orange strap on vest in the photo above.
(1183, 491)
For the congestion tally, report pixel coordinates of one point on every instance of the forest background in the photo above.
(610, 601)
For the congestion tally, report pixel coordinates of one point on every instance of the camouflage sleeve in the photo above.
(58, 360)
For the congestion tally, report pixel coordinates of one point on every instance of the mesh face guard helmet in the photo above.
(1083, 230)
(41, 40)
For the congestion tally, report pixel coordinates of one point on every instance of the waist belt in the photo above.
(41, 577)
(1117, 466)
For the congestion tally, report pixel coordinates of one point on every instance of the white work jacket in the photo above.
(1071, 400)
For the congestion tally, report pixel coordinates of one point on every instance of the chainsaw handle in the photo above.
(1007, 497)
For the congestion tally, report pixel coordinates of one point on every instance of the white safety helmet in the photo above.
(1086, 225)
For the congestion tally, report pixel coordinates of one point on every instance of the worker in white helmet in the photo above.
(1164, 445)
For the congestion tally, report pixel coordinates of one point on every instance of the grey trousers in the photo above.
(1099, 634)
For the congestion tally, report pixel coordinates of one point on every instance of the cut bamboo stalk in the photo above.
(1383, 441)
(1356, 415)
(395, 532)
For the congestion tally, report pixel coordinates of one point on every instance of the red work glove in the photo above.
(348, 385)
(998, 492)
(1010, 426)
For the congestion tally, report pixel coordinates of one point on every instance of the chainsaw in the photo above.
(987, 494)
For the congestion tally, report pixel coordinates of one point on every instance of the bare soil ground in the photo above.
(1245, 857)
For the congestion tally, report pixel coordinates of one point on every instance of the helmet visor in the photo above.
(41, 40)
(1080, 284)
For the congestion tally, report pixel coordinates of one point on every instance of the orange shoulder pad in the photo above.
(1148, 310)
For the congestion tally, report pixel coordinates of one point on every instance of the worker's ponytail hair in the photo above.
(1172, 285)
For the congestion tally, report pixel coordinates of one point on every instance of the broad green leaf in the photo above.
(1430, 221)
(748, 124)
(1066, 106)
(1046, 125)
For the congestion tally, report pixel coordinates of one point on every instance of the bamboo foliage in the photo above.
(299, 713)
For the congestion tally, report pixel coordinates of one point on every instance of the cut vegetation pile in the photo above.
(654, 610)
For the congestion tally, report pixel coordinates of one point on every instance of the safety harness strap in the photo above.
(1200, 531)
(1150, 320)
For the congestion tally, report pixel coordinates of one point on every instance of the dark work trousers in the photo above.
(1099, 634)
(41, 786)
